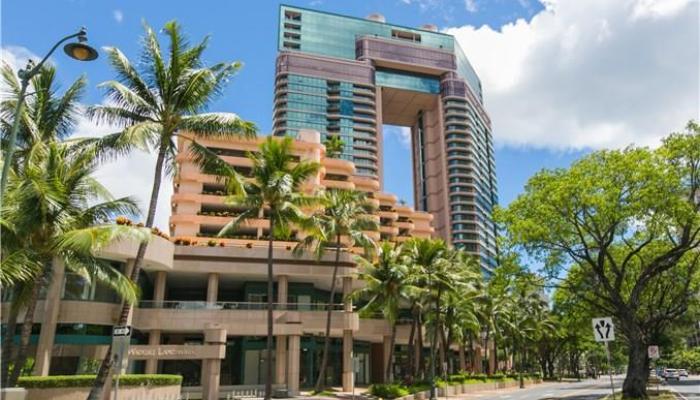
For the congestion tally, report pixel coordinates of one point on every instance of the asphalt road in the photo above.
(589, 389)
(686, 388)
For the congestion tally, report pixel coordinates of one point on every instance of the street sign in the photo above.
(653, 352)
(121, 338)
(603, 329)
(121, 330)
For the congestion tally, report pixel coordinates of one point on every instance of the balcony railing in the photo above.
(236, 305)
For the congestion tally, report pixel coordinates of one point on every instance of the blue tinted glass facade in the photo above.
(407, 81)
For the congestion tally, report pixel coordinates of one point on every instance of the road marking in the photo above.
(673, 389)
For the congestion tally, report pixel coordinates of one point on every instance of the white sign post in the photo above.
(121, 338)
(604, 331)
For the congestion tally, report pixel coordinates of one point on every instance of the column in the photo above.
(52, 305)
(280, 359)
(211, 368)
(153, 340)
(281, 340)
(282, 289)
(213, 288)
(386, 349)
(348, 373)
(293, 367)
(159, 288)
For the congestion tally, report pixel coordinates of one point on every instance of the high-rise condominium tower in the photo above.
(348, 77)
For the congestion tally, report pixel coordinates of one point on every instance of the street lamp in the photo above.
(79, 50)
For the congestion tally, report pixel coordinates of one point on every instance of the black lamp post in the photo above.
(79, 50)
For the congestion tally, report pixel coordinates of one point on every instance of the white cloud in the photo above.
(589, 74)
(403, 133)
(470, 6)
(118, 16)
(131, 175)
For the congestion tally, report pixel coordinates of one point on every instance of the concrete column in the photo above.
(281, 359)
(52, 305)
(211, 368)
(153, 340)
(159, 287)
(293, 367)
(347, 290)
(386, 349)
(213, 288)
(348, 373)
(282, 289)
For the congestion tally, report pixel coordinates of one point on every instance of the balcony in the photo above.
(243, 318)
(394, 53)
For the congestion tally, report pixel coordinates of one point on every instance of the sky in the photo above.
(561, 78)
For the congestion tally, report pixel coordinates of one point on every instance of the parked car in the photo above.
(683, 373)
(671, 373)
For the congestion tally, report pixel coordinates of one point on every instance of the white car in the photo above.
(672, 373)
(683, 373)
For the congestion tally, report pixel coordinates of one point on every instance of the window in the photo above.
(405, 35)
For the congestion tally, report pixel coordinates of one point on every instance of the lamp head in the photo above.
(80, 50)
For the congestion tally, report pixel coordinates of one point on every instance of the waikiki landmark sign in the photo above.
(177, 352)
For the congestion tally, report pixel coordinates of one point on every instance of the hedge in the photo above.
(66, 381)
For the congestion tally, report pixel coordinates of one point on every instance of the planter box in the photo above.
(421, 395)
(14, 393)
(125, 392)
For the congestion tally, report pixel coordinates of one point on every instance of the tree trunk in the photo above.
(106, 365)
(420, 362)
(26, 332)
(412, 344)
(321, 380)
(388, 373)
(443, 351)
(270, 282)
(634, 386)
(8, 342)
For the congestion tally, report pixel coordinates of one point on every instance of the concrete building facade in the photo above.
(348, 77)
(202, 310)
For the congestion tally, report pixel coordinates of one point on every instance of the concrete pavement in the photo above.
(687, 388)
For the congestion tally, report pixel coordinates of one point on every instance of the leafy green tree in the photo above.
(343, 219)
(629, 219)
(387, 285)
(54, 210)
(334, 146)
(275, 189)
(156, 103)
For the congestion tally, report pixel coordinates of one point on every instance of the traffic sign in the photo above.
(124, 330)
(603, 329)
(121, 338)
(653, 352)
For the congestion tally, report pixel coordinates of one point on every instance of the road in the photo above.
(687, 388)
(589, 389)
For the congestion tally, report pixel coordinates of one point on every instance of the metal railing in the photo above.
(236, 305)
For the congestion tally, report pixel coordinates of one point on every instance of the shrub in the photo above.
(498, 377)
(388, 390)
(211, 243)
(66, 381)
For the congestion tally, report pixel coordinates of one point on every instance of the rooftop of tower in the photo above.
(334, 35)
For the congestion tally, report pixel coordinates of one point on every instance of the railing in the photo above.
(236, 305)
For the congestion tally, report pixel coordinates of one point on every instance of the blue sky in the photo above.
(546, 66)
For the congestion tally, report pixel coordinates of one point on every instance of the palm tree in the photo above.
(54, 209)
(275, 189)
(344, 214)
(46, 118)
(158, 103)
(334, 146)
(387, 285)
(427, 255)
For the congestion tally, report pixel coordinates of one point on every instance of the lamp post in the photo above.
(79, 50)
